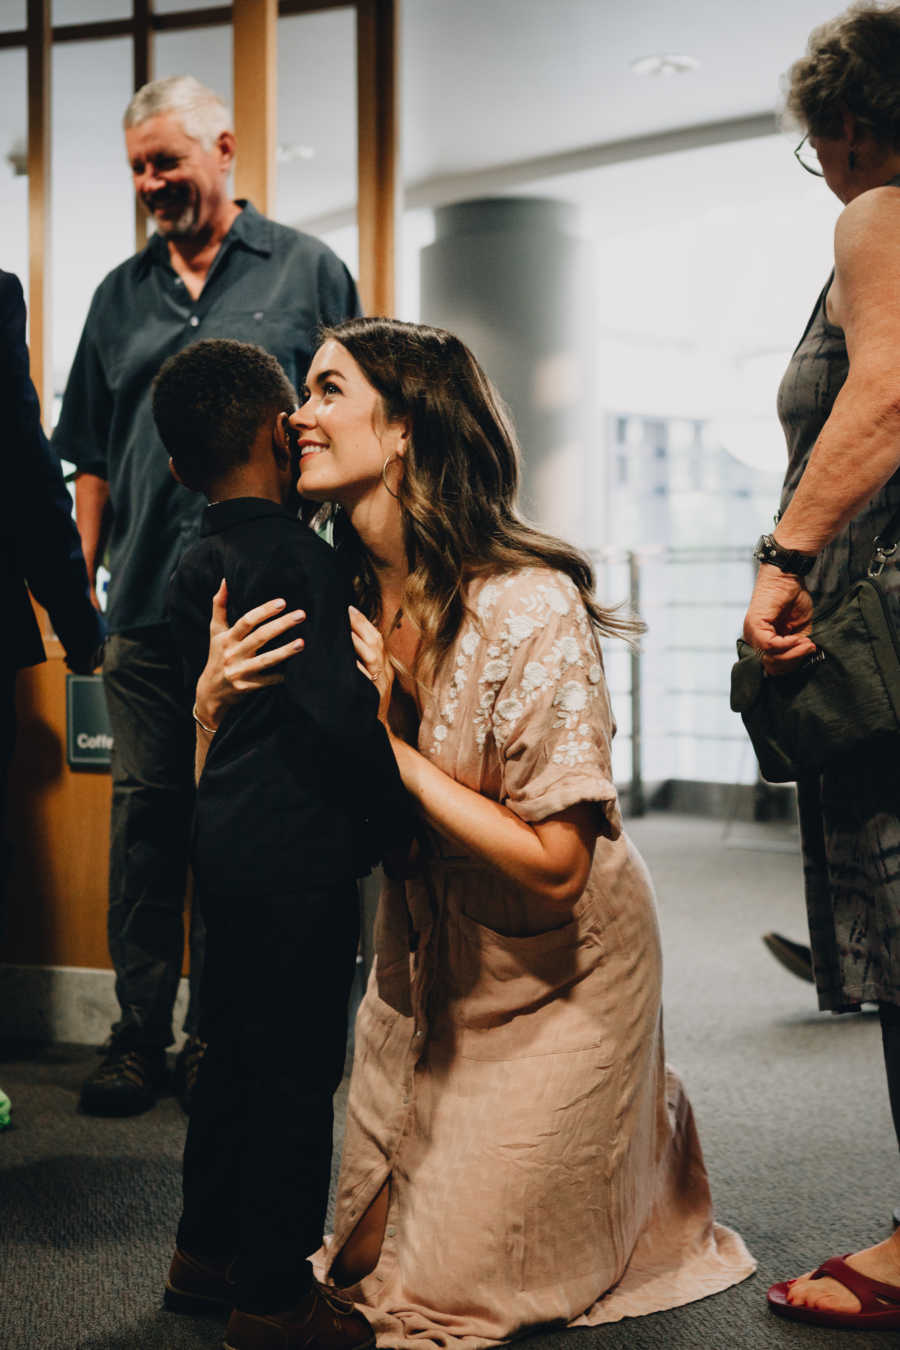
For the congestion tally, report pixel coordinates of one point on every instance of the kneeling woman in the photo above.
(515, 1152)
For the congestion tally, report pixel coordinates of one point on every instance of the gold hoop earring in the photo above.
(384, 468)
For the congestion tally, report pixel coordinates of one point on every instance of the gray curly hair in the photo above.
(202, 113)
(852, 63)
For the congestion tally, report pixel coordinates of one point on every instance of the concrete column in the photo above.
(509, 277)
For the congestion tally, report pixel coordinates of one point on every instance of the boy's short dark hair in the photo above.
(209, 402)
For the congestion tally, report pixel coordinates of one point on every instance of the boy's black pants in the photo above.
(257, 1160)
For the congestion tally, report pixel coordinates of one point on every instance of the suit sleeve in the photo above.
(38, 516)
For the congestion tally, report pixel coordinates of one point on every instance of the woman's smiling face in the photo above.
(343, 438)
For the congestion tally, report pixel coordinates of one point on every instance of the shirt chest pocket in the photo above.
(291, 339)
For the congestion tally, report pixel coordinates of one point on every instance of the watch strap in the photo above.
(790, 560)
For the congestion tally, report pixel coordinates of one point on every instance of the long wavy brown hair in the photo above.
(458, 486)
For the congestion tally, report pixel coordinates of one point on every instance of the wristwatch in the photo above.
(768, 550)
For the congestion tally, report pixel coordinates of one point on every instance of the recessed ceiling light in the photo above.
(286, 154)
(664, 63)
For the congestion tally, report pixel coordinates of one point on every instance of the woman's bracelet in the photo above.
(210, 731)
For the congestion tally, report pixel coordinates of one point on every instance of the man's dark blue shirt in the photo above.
(268, 284)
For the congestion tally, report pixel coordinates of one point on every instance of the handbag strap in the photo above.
(884, 545)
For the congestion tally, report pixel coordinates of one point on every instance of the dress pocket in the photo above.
(516, 996)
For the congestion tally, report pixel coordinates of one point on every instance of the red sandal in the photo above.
(880, 1303)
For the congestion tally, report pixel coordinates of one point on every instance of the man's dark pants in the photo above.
(257, 1160)
(150, 828)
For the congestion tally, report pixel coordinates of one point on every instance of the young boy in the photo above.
(299, 795)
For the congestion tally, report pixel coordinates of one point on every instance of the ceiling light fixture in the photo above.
(664, 63)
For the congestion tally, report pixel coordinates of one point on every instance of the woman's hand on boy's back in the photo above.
(235, 664)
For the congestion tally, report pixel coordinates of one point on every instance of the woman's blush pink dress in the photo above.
(509, 1073)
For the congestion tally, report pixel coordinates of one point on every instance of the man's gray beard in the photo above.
(182, 227)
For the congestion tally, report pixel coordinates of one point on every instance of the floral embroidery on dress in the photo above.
(571, 699)
(534, 676)
(518, 628)
(495, 670)
(468, 646)
(568, 675)
(559, 602)
(569, 651)
(509, 710)
(573, 654)
(577, 748)
(486, 599)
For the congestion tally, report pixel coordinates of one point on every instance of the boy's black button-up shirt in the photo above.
(300, 784)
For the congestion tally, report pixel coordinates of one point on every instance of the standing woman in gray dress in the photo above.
(839, 404)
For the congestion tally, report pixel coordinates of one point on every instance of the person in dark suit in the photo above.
(40, 549)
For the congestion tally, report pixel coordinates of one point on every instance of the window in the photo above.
(92, 201)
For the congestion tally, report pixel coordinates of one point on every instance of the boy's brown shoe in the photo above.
(320, 1321)
(193, 1286)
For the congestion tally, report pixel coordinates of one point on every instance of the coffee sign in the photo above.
(89, 740)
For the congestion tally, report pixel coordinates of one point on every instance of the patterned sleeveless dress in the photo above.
(850, 816)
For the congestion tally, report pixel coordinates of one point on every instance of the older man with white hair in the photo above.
(213, 268)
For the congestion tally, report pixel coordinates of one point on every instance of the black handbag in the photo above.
(843, 699)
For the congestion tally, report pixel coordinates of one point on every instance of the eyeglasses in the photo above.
(807, 156)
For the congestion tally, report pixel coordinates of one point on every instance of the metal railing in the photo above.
(672, 688)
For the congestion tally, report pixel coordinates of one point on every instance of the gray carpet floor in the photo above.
(790, 1103)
